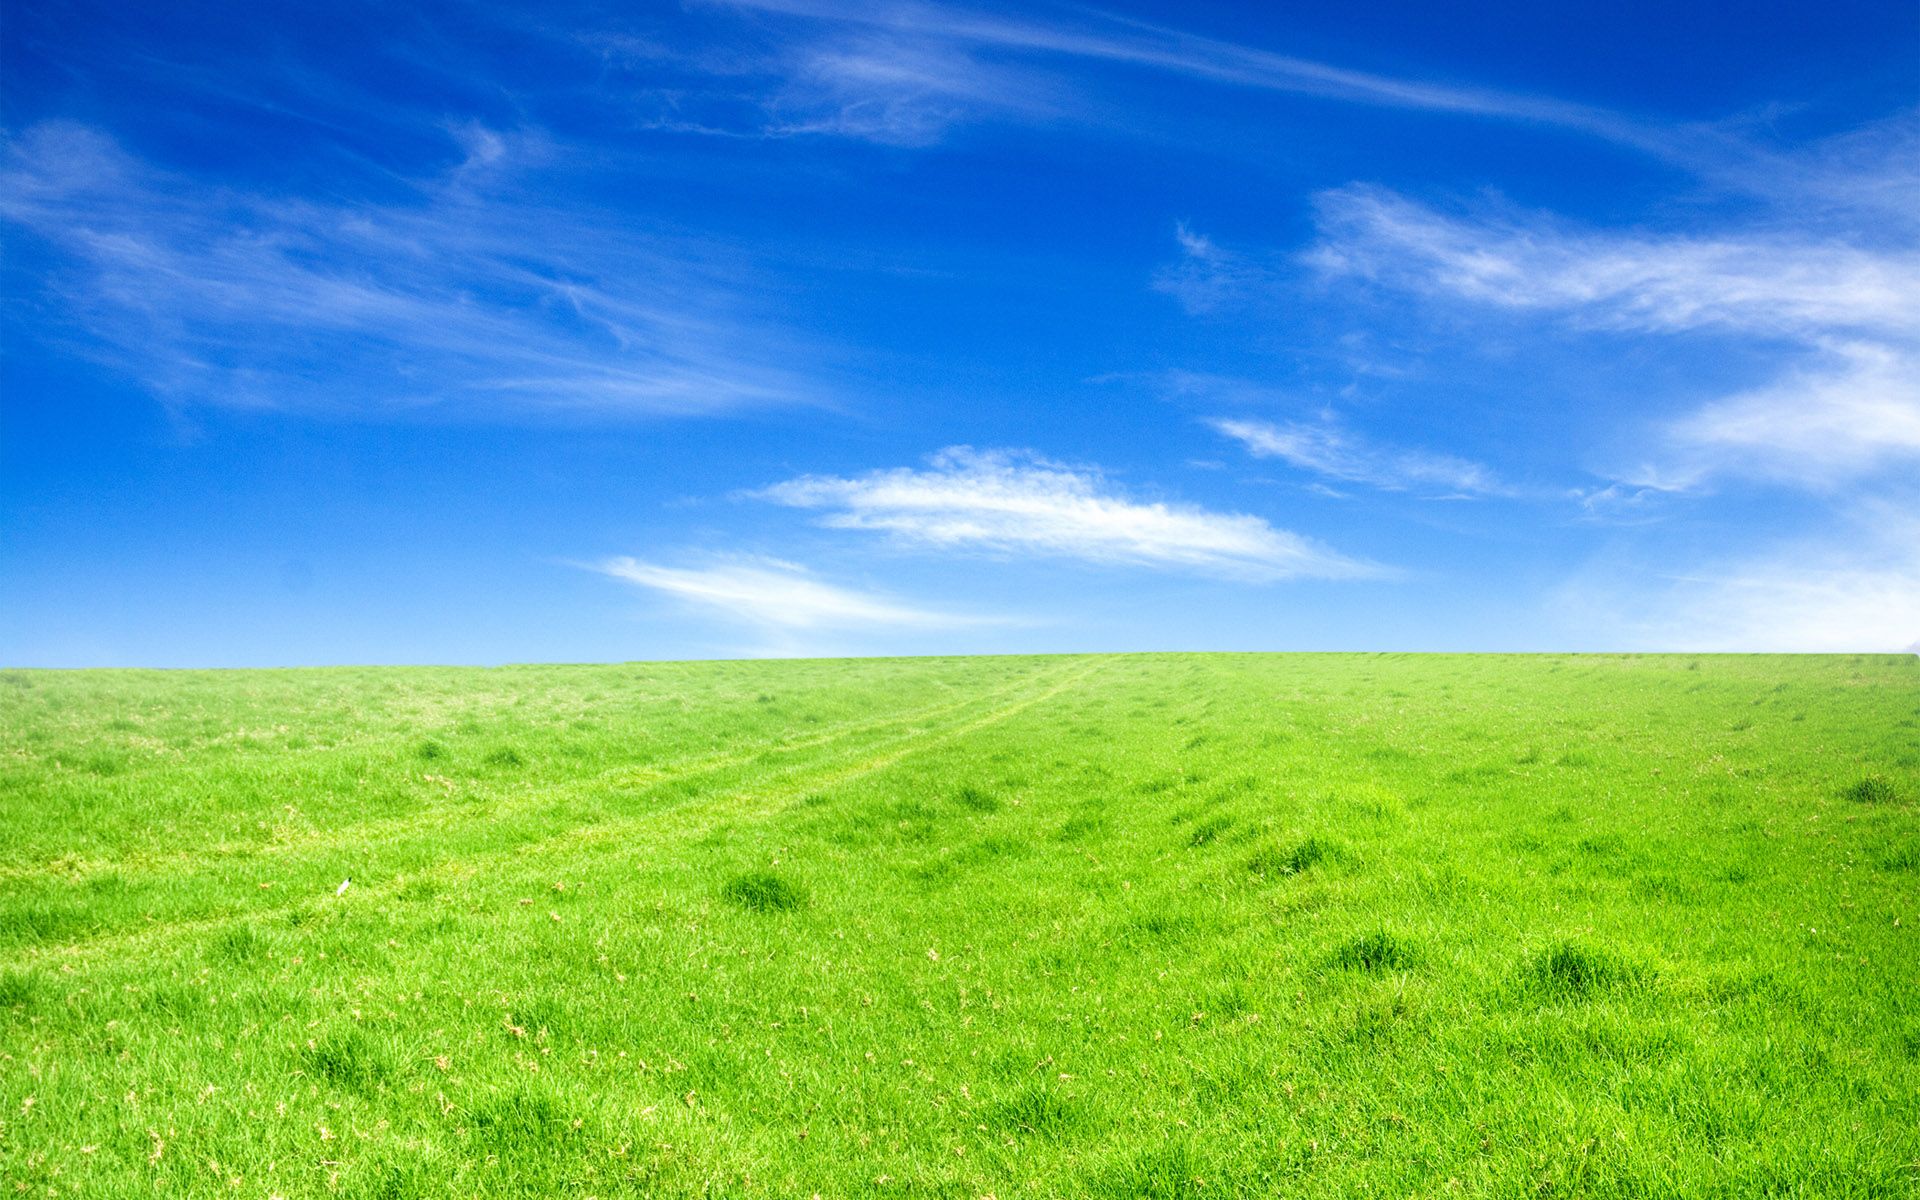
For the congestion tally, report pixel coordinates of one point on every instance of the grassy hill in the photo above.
(1156, 925)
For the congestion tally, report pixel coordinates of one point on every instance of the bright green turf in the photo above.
(1152, 925)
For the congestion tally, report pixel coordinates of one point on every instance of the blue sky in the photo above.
(375, 333)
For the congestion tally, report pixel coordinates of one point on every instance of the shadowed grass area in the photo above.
(18, 988)
(1308, 852)
(764, 891)
(1037, 1111)
(1157, 925)
(1575, 971)
(1376, 951)
(348, 1058)
(1873, 789)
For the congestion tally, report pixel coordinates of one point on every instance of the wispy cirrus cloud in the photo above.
(1107, 39)
(1839, 283)
(899, 90)
(1866, 178)
(1780, 284)
(469, 295)
(892, 87)
(777, 595)
(1207, 277)
(1008, 502)
(1325, 449)
(1851, 410)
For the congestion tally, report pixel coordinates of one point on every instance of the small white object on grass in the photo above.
(342, 889)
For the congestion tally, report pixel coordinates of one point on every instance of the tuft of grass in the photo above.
(432, 751)
(19, 988)
(1208, 831)
(1035, 1111)
(1376, 951)
(174, 1000)
(1080, 825)
(978, 799)
(418, 889)
(764, 892)
(504, 756)
(1899, 857)
(1576, 971)
(1302, 855)
(521, 1123)
(1872, 789)
(402, 1181)
(239, 944)
(348, 1058)
(1168, 1172)
(1158, 925)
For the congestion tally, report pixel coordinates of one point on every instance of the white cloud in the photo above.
(1326, 450)
(777, 595)
(1208, 277)
(1016, 503)
(896, 90)
(1097, 37)
(892, 84)
(486, 302)
(1867, 178)
(1853, 412)
(1855, 590)
(1767, 284)
(1623, 503)
(1847, 408)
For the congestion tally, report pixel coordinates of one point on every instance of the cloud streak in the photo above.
(1013, 503)
(902, 91)
(467, 297)
(1207, 277)
(1853, 412)
(1327, 450)
(779, 596)
(1779, 284)
(1113, 40)
(1847, 297)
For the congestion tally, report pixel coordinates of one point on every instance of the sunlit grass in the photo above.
(1151, 925)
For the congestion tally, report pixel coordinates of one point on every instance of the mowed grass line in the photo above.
(1161, 925)
(456, 843)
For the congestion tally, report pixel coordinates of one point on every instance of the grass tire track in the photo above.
(749, 802)
(438, 814)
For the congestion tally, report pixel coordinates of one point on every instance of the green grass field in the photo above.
(1156, 925)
